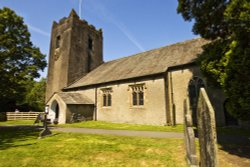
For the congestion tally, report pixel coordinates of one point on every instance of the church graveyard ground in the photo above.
(24, 146)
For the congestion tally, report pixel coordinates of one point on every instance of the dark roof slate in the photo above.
(143, 64)
(74, 98)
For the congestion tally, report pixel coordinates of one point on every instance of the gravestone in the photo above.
(45, 132)
(206, 131)
(189, 136)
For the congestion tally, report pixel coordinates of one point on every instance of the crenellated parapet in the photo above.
(73, 18)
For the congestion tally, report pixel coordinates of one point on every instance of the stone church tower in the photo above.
(75, 49)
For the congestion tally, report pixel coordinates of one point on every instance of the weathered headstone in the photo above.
(206, 131)
(45, 132)
(189, 136)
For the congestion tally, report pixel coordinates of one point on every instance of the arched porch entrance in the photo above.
(55, 110)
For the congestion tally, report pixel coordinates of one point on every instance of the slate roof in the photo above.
(74, 98)
(143, 64)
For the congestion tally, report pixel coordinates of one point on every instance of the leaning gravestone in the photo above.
(189, 136)
(206, 131)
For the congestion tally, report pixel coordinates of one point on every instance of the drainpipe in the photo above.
(166, 97)
(95, 107)
(172, 99)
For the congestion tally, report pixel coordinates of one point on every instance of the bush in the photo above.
(3, 116)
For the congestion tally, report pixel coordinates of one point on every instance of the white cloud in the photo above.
(99, 8)
(126, 32)
(38, 30)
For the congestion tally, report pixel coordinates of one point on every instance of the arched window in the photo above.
(134, 94)
(107, 97)
(141, 99)
(137, 95)
(193, 91)
(104, 100)
(194, 86)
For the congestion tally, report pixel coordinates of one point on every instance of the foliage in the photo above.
(35, 97)
(3, 117)
(20, 61)
(226, 59)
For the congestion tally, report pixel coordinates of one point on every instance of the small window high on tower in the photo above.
(58, 38)
(90, 44)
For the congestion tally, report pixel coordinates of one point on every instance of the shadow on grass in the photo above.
(235, 141)
(15, 136)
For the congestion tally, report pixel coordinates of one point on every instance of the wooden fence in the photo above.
(22, 115)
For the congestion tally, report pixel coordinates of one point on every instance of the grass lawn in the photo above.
(18, 122)
(105, 125)
(120, 126)
(22, 148)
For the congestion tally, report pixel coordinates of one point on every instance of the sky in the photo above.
(129, 26)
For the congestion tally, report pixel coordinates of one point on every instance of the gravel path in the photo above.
(122, 132)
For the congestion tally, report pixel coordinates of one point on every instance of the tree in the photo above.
(226, 59)
(20, 61)
(35, 98)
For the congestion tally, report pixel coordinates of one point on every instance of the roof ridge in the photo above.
(136, 54)
(147, 54)
(79, 78)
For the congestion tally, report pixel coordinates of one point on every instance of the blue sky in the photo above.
(129, 26)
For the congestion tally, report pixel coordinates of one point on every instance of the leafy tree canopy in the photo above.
(20, 61)
(35, 97)
(226, 59)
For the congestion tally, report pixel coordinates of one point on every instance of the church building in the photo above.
(145, 88)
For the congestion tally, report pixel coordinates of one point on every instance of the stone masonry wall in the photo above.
(70, 55)
(178, 85)
(178, 80)
(152, 112)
